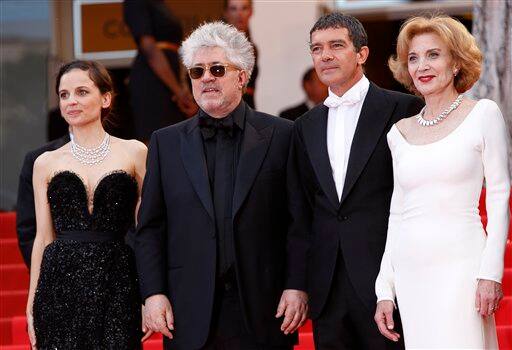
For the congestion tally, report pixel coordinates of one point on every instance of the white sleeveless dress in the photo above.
(437, 249)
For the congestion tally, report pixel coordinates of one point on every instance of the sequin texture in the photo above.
(87, 295)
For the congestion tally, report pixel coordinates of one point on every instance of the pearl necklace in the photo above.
(91, 156)
(440, 117)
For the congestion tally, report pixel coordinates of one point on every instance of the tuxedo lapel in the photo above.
(315, 139)
(255, 143)
(194, 160)
(374, 117)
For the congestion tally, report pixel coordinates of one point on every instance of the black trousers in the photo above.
(228, 330)
(346, 322)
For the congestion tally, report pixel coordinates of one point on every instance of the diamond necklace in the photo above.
(91, 156)
(440, 117)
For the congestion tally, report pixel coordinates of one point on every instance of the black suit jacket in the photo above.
(175, 243)
(356, 225)
(25, 210)
(294, 112)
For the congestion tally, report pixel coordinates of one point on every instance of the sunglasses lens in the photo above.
(218, 70)
(196, 72)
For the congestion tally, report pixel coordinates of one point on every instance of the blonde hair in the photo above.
(462, 45)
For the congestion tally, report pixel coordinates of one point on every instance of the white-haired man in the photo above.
(218, 267)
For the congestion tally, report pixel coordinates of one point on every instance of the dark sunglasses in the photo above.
(218, 70)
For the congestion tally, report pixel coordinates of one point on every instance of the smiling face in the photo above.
(336, 61)
(80, 100)
(430, 64)
(217, 96)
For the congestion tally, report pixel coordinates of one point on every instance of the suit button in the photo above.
(342, 217)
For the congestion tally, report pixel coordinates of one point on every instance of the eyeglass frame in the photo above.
(208, 66)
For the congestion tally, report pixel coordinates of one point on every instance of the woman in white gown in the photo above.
(443, 268)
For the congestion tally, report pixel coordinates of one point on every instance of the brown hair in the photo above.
(461, 43)
(100, 77)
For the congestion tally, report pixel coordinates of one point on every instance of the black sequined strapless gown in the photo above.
(87, 295)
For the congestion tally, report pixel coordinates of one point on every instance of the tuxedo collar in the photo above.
(255, 142)
(375, 114)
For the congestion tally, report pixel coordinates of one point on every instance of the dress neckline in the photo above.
(454, 131)
(90, 196)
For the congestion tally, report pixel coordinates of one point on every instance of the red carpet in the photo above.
(14, 285)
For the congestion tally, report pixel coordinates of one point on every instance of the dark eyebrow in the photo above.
(78, 87)
(341, 41)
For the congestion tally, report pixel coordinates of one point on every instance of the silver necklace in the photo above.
(91, 156)
(440, 117)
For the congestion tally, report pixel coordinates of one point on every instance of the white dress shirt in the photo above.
(341, 125)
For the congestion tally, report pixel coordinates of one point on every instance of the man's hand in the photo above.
(294, 307)
(158, 315)
(384, 319)
(147, 332)
(488, 297)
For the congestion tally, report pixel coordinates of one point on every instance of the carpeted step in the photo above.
(508, 253)
(8, 225)
(505, 337)
(306, 340)
(9, 251)
(19, 330)
(507, 282)
(153, 344)
(14, 347)
(13, 303)
(307, 327)
(504, 314)
(14, 277)
(5, 331)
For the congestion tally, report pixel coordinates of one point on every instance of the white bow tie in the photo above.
(333, 101)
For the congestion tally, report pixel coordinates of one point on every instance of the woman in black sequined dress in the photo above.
(83, 285)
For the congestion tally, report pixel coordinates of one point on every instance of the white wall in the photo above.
(280, 30)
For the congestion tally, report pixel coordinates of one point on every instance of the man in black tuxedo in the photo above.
(218, 268)
(25, 210)
(315, 91)
(346, 174)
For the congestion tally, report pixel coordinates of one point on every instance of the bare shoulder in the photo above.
(470, 102)
(131, 150)
(132, 146)
(405, 124)
(45, 163)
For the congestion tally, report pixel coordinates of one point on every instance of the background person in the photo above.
(238, 13)
(316, 92)
(25, 209)
(158, 98)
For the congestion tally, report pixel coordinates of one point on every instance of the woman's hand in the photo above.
(384, 319)
(147, 332)
(488, 297)
(31, 331)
